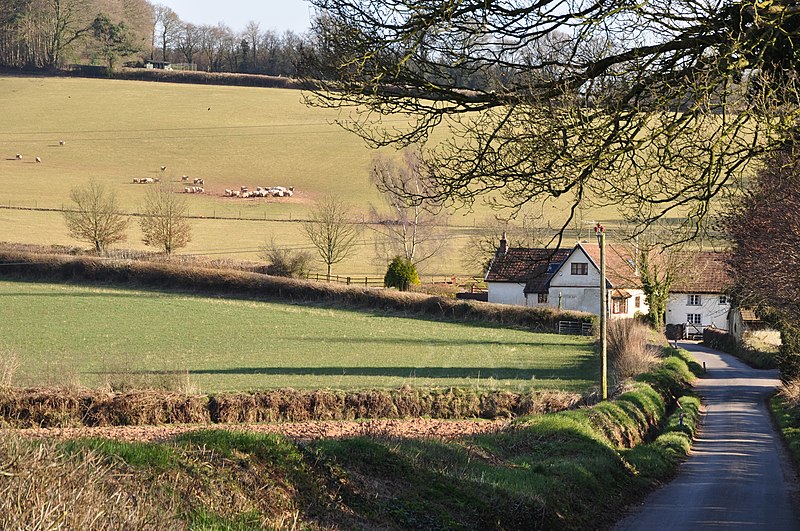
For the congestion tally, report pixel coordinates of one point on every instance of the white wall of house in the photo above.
(712, 311)
(578, 292)
(506, 293)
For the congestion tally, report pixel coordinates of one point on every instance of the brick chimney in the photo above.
(503, 249)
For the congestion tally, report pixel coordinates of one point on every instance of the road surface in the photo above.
(738, 475)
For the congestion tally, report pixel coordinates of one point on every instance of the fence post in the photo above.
(348, 281)
(365, 282)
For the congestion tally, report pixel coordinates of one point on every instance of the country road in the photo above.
(738, 475)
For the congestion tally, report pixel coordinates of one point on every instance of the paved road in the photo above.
(738, 475)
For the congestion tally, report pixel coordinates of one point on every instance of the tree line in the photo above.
(51, 34)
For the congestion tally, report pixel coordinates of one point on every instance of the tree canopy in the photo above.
(656, 107)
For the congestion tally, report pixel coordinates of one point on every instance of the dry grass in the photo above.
(790, 392)
(629, 351)
(9, 363)
(42, 488)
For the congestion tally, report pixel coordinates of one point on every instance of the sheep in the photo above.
(185, 178)
(163, 168)
(19, 156)
(136, 180)
(61, 142)
(37, 159)
(198, 181)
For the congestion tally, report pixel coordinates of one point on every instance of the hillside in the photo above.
(114, 131)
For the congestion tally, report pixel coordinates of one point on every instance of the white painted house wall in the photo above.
(712, 311)
(578, 292)
(506, 293)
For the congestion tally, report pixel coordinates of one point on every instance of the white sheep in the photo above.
(61, 142)
(37, 159)
(19, 156)
(163, 168)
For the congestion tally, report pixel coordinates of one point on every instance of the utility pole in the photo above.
(600, 231)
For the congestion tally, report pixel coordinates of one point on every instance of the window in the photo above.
(694, 300)
(619, 305)
(542, 298)
(579, 268)
(723, 299)
(637, 302)
(694, 318)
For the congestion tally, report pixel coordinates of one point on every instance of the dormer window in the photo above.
(579, 268)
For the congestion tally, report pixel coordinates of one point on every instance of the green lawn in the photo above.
(115, 131)
(75, 334)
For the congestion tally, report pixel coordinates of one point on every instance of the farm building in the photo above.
(569, 279)
(565, 278)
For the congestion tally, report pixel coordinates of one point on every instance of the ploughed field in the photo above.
(65, 334)
(117, 131)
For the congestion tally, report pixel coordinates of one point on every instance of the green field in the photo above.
(64, 334)
(115, 131)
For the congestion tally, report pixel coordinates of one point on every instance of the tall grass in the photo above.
(9, 363)
(629, 351)
(41, 487)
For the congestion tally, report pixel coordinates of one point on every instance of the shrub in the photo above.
(401, 274)
(283, 262)
(628, 351)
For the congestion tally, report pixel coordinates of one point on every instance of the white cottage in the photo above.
(570, 279)
(699, 297)
(565, 278)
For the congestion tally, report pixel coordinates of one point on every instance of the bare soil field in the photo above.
(304, 431)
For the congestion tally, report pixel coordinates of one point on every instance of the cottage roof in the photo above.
(620, 267)
(706, 272)
(532, 266)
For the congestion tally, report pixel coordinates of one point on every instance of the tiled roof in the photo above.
(620, 268)
(705, 272)
(528, 265)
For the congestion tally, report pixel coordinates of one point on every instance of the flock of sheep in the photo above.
(272, 191)
(198, 183)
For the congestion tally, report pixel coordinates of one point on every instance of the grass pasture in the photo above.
(63, 334)
(117, 130)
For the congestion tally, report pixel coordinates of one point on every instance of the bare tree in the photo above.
(331, 230)
(655, 108)
(765, 228)
(163, 222)
(95, 218)
(166, 25)
(484, 239)
(411, 229)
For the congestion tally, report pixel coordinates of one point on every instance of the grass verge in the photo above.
(568, 470)
(787, 417)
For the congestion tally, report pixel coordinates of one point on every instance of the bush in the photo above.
(283, 262)
(628, 351)
(401, 274)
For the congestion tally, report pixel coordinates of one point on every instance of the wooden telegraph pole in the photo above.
(600, 231)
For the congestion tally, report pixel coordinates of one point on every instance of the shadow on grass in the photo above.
(580, 371)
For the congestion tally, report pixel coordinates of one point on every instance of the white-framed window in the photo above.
(542, 298)
(619, 306)
(694, 300)
(579, 268)
(694, 318)
(723, 299)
